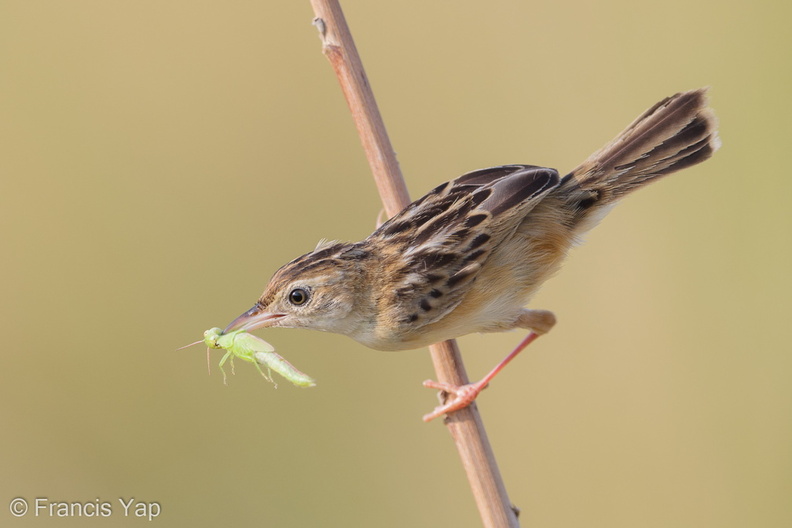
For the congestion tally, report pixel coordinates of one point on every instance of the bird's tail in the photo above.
(678, 132)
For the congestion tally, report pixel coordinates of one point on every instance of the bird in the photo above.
(468, 256)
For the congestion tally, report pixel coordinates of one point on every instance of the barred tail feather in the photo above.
(678, 132)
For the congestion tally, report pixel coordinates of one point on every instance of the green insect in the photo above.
(252, 349)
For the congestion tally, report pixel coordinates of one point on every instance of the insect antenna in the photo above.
(191, 344)
(208, 358)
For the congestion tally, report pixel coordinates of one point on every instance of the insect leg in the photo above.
(222, 362)
(267, 376)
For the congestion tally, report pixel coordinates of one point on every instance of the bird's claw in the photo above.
(457, 397)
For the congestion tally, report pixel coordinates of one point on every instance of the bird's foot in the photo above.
(457, 396)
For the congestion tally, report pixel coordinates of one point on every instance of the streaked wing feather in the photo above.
(445, 237)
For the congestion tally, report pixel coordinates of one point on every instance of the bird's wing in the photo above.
(440, 242)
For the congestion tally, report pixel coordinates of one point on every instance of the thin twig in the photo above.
(465, 425)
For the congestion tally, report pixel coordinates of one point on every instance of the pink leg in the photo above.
(464, 395)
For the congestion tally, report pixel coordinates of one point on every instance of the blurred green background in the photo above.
(159, 160)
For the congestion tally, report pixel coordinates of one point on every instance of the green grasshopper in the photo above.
(252, 349)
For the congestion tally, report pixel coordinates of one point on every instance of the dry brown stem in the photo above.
(465, 425)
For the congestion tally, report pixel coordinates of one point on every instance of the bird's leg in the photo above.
(460, 396)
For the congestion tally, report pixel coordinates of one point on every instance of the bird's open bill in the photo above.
(254, 318)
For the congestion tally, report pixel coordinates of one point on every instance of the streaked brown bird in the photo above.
(468, 256)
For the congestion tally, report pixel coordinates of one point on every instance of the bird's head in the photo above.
(320, 290)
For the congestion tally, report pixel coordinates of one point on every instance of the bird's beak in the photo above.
(254, 318)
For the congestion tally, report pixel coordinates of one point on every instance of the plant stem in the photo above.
(465, 425)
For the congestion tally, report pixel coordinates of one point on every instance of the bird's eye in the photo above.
(298, 296)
